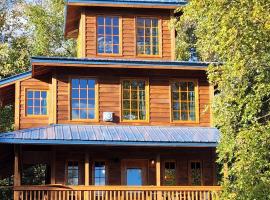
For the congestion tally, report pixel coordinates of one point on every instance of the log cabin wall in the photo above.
(109, 95)
(128, 38)
(115, 162)
(34, 84)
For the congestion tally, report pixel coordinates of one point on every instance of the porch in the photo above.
(136, 163)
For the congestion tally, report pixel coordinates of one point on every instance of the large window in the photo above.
(36, 102)
(170, 173)
(72, 173)
(147, 36)
(134, 99)
(183, 100)
(99, 173)
(83, 103)
(195, 173)
(108, 35)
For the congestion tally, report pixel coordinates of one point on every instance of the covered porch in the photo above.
(145, 170)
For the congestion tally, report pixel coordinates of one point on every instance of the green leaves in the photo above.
(236, 33)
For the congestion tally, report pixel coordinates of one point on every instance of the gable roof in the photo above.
(115, 135)
(12, 79)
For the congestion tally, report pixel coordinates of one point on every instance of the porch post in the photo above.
(158, 170)
(159, 195)
(86, 169)
(17, 170)
(53, 166)
(86, 174)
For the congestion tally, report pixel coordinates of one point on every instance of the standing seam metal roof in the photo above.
(114, 135)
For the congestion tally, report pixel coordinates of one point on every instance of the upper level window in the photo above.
(170, 173)
(83, 95)
(99, 173)
(36, 102)
(72, 173)
(195, 173)
(183, 101)
(147, 36)
(108, 35)
(134, 99)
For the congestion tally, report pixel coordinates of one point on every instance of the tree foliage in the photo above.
(236, 33)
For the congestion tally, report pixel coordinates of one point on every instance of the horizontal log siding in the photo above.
(110, 95)
(33, 121)
(128, 32)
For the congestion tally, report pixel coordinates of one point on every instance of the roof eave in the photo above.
(109, 143)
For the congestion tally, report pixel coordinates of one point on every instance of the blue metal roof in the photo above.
(115, 135)
(14, 78)
(133, 2)
(101, 61)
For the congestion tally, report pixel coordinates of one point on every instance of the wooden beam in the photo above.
(158, 170)
(211, 97)
(53, 100)
(173, 41)
(53, 166)
(17, 105)
(17, 170)
(86, 169)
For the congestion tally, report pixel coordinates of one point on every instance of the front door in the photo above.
(134, 172)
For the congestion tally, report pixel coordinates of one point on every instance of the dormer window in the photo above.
(36, 103)
(108, 35)
(147, 30)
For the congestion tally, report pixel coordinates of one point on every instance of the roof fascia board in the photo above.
(13, 79)
(108, 143)
(170, 6)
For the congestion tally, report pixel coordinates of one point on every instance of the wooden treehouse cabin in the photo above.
(122, 121)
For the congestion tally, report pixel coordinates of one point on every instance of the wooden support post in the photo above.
(17, 105)
(53, 100)
(53, 166)
(17, 170)
(86, 174)
(159, 194)
(173, 39)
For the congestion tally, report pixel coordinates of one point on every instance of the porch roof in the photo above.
(115, 135)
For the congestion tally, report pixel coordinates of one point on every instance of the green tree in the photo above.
(236, 33)
(46, 19)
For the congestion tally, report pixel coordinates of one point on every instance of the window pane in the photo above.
(133, 100)
(36, 102)
(147, 36)
(73, 173)
(108, 34)
(134, 177)
(183, 101)
(99, 173)
(170, 174)
(83, 99)
(75, 83)
(196, 173)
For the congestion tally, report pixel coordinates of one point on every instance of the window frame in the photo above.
(120, 36)
(163, 171)
(160, 38)
(146, 99)
(189, 171)
(96, 119)
(196, 91)
(79, 171)
(106, 171)
(25, 102)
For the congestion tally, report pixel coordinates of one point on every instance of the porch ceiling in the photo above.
(114, 135)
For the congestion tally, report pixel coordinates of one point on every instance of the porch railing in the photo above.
(117, 193)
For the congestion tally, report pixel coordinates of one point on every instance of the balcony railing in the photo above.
(117, 193)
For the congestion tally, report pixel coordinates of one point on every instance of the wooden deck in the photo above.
(58, 192)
